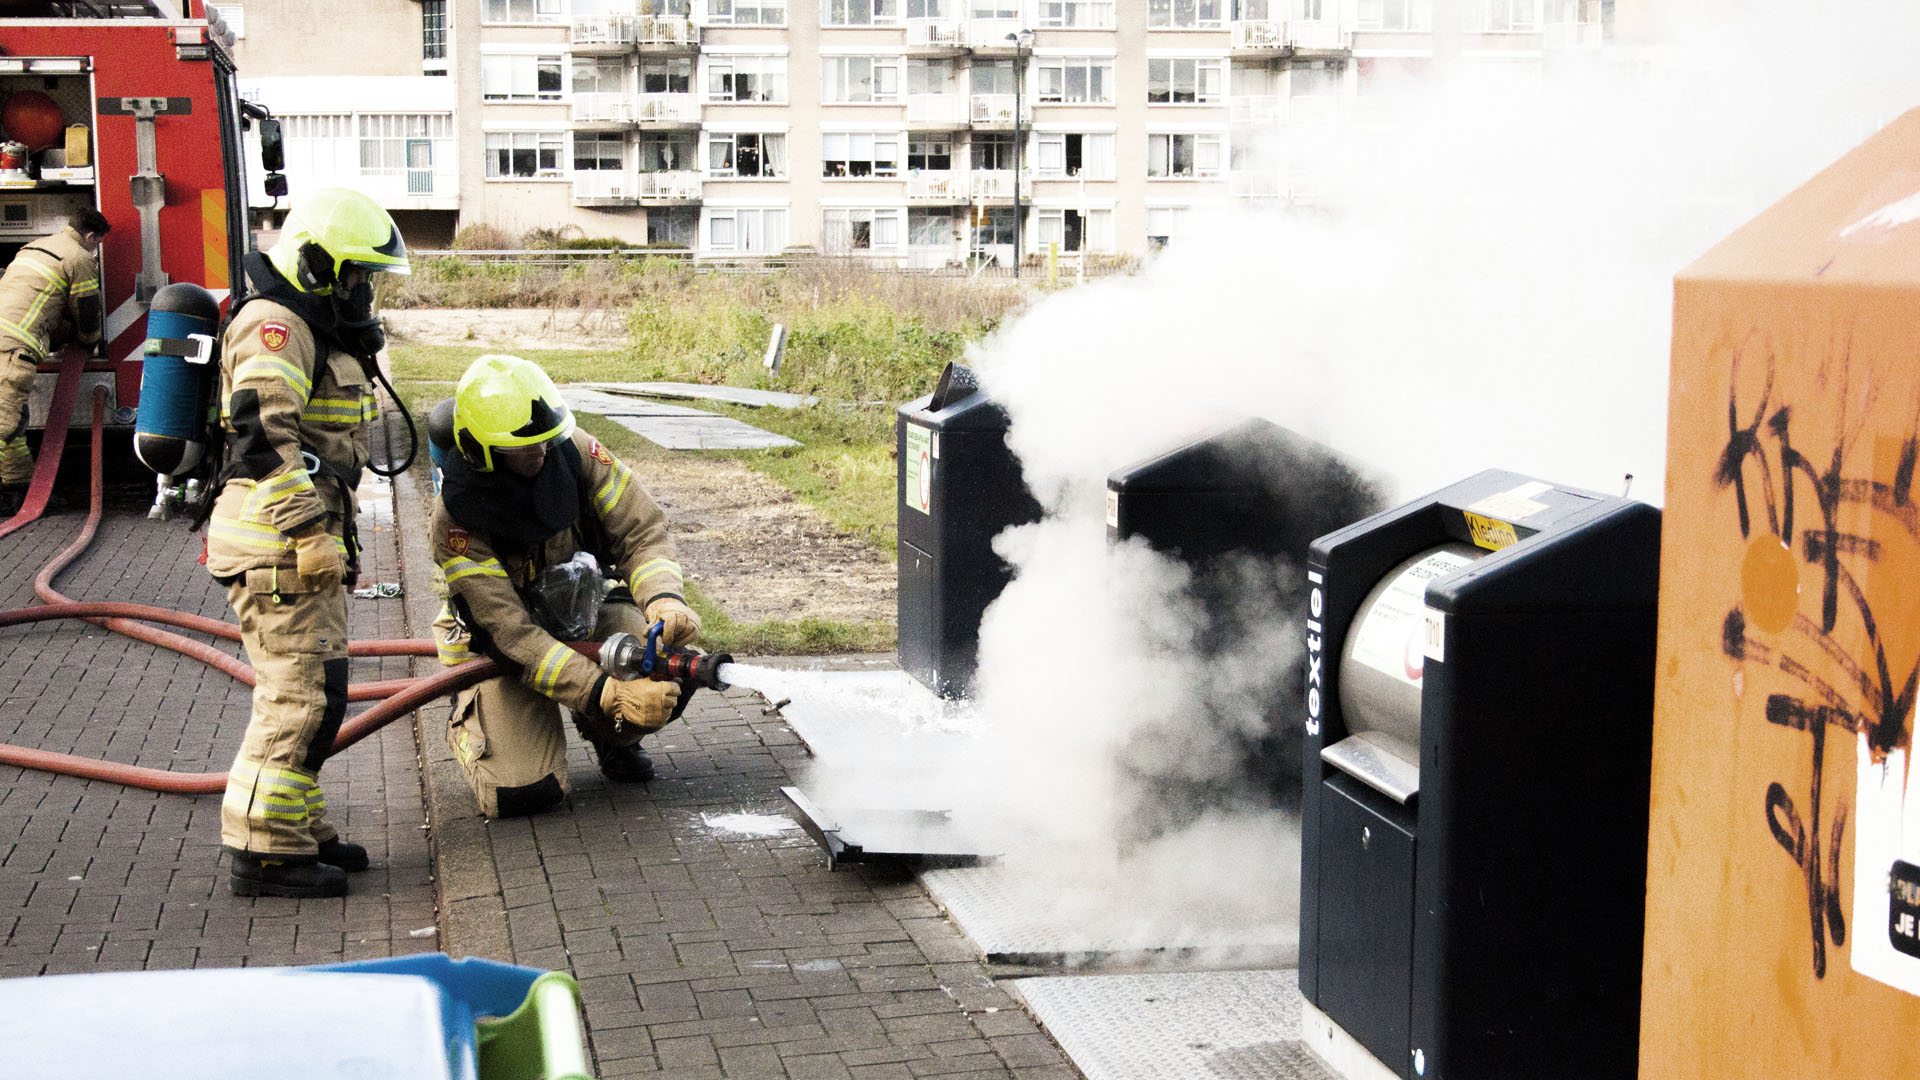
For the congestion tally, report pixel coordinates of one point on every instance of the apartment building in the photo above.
(921, 133)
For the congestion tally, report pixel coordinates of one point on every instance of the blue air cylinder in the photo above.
(440, 438)
(177, 380)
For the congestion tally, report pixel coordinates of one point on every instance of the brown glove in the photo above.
(317, 556)
(644, 703)
(683, 626)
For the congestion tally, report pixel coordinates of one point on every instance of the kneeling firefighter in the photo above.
(296, 379)
(529, 511)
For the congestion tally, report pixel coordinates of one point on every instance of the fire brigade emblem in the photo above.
(457, 541)
(274, 335)
(599, 453)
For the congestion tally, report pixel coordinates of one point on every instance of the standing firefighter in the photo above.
(50, 295)
(524, 495)
(295, 400)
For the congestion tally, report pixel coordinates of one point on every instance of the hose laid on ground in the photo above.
(54, 440)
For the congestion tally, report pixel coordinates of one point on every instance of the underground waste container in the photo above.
(1474, 819)
(959, 486)
(423, 1017)
(1239, 506)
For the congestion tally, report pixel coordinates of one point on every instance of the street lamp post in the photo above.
(1022, 45)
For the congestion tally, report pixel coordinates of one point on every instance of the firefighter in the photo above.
(49, 296)
(295, 401)
(523, 492)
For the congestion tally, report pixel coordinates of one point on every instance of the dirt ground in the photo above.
(758, 551)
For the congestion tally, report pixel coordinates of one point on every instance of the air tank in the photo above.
(177, 380)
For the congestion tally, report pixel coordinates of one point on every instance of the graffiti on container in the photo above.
(1788, 499)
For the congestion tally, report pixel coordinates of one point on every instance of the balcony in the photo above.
(1257, 184)
(996, 110)
(1257, 110)
(939, 187)
(610, 187)
(666, 34)
(993, 185)
(601, 34)
(936, 37)
(1258, 36)
(603, 111)
(1318, 37)
(992, 36)
(668, 188)
(667, 110)
(937, 111)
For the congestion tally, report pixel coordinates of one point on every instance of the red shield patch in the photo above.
(599, 453)
(274, 335)
(457, 541)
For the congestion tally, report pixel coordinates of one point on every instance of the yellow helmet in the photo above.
(503, 402)
(331, 228)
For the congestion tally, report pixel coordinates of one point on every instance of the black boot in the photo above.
(623, 764)
(255, 875)
(12, 496)
(349, 857)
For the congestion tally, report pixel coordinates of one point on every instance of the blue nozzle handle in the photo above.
(652, 655)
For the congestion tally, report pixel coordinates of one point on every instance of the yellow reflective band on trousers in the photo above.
(273, 794)
(609, 494)
(650, 568)
(455, 569)
(547, 675)
(274, 488)
(246, 534)
(272, 368)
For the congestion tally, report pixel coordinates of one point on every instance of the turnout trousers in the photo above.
(17, 366)
(297, 643)
(508, 738)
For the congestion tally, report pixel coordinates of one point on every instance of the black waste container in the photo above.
(1479, 722)
(1239, 507)
(959, 486)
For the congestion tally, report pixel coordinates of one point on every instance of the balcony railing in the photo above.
(1318, 35)
(1256, 184)
(993, 33)
(937, 109)
(668, 185)
(590, 32)
(936, 33)
(995, 184)
(938, 185)
(604, 186)
(998, 109)
(665, 30)
(1262, 110)
(1259, 34)
(603, 108)
(667, 108)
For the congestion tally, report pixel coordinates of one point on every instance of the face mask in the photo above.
(357, 327)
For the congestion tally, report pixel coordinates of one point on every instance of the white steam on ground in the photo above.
(1489, 285)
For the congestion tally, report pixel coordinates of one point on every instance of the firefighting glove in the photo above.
(644, 703)
(317, 557)
(683, 626)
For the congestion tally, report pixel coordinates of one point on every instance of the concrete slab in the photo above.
(706, 432)
(582, 399)
(733, 395)
(1229, 1025)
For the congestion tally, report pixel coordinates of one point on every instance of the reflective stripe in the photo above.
(453, 652)
(547, 676)
(455, 569)
(609, 494)
(15, 447)
(246, 534)
(649, 569)
(276, 487)
(271, 794)
(86, 286)
(267, 367)
(336, 410)
(369, 408)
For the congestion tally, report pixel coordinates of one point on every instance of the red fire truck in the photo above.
(142, 98)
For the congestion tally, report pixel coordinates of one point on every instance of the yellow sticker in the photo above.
(1488, 532)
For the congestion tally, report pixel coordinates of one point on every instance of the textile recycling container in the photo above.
(959, 486)
(1474, 822)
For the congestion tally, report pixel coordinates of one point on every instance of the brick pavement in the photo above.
(97, 877)
(703, 953)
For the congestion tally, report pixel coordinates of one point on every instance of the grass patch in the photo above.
(775, 637)
(446, 363)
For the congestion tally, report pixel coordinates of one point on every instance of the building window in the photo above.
(1184, 82)
(993, 77)
(1067, 154)
(1185, 14)
(747, 155)
(860, 154)
(747, 231)
(433, 29)
(320, 147)
(929, 228)
(386, 142)
(678, 9)
(1076, 14)
(860, 230)
(675, 227)
(524, 11)
(996, 9)
(747, 12)
(1076, 81)
(524, 154)
(515, 77)
(932, 153)
(860, 12)
(859, 80)
(933, 9)
(669, 151)
(933, 76)
(1392, 15)
(754, 79)
(1164, 223)
(599, 75)
(992, 225)
(992, 151)
(1183, 156)
(1075, 231)
(598, 153)
(1501, 16)
(666, 75)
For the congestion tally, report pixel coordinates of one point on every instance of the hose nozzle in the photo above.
(627, 656)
